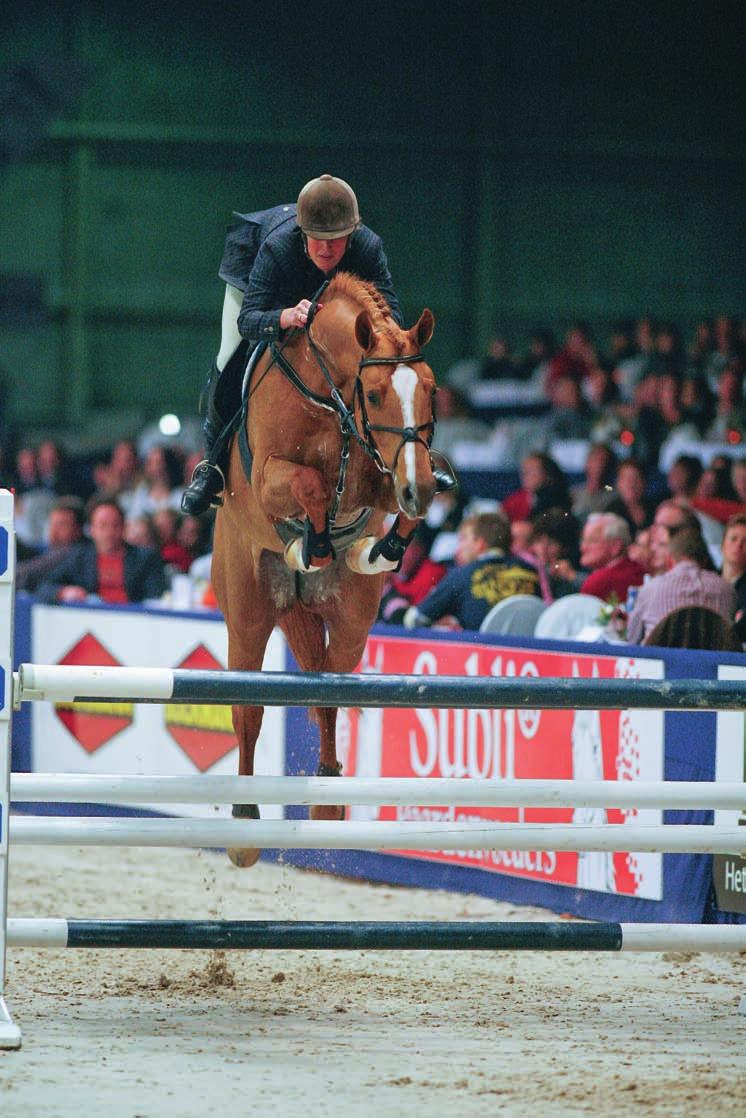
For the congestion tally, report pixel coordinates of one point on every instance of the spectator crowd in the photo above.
(649, 517)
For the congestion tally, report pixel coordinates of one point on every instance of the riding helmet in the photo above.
(327, 208)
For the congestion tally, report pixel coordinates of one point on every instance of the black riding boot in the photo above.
(208, 479)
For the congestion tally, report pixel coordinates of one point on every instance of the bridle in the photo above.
(346, 415)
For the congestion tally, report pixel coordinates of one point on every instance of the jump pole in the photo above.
(301, 790)
(294, 834)
(340, 935)
(73, 683)
(10, 1034)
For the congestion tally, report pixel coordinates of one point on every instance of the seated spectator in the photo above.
(64, 530)
(684, 475)
(402, 593)
(701, 347)
(608, 411)
(640, 550)
(694, 627)
(726, 348)
(667, 358)
(140, 532)
(175, 555)
(734, 568)
(25, 474)
(53, 468)
(484, 574)
(499, 363)
(574, 359)
(632, 362)
(604, 553)
(630, 500)
(542, 346)
(455, 423)
(722, 508)
(543, 486)
(597, 493)
(571, 417)
(554, 548)
(105, 566)
(647, 427)
(715, 481)
(727, 424)
(673, 516)
(698, 403)
(162, 483)
(521, 544)
(685, 583)
(121, 475)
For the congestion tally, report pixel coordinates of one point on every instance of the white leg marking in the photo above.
(404, 381)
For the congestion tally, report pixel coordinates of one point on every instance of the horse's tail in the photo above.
(306, 636)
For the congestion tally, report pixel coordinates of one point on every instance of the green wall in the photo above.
(525, 164)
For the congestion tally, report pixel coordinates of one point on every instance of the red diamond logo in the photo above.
(204, 732)
(93, 724)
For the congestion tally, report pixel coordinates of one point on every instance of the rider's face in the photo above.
(326, 254)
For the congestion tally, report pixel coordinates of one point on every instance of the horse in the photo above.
(338, 429)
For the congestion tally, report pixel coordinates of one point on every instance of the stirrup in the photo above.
(443, 472)
(209, 490)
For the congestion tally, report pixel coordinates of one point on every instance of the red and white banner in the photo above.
(174, 739)
(508, 745)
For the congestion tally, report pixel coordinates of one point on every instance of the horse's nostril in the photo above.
(408, 494)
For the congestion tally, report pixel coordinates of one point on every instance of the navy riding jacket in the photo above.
(265, 257)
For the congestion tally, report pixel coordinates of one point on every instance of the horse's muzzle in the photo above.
(413, 498)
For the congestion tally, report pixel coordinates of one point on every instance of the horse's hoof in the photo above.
(243, 858)
(294, 559)
(357, 558)
(249, 855)
(329, 812)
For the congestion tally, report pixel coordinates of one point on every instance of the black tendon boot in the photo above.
(208, 479)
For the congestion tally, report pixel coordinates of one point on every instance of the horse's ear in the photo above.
(364, 332)
(423, 331)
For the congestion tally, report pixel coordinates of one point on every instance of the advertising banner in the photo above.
(728, 870)
(121, 737)
(509, 745)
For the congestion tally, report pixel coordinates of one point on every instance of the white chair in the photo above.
(515, 616)
(566, 617)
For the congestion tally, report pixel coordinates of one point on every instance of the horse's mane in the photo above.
(367, 296)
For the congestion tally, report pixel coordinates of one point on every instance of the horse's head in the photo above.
(394, 407)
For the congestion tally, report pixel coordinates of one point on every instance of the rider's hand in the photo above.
(295, 317)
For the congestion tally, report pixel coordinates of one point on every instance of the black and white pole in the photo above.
(10, 1034)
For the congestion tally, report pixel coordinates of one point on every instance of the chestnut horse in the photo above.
(339, 425)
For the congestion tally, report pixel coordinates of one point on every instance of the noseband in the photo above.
(407, 434)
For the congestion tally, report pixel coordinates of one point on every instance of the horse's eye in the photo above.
(374, 398)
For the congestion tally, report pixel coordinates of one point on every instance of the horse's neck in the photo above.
(333, 333)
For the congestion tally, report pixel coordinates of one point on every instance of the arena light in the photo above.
(169, 424)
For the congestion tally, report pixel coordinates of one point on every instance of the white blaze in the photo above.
(404, 381)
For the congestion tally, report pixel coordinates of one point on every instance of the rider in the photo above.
(278, 259)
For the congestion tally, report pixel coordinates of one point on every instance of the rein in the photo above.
(346, 415)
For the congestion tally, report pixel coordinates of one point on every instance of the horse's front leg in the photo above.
(347, 629)
(246, 653)
(372, 556)
(288, 488)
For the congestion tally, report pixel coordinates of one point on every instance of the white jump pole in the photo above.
(302, 790)
(10, 1034)
(291, 834)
